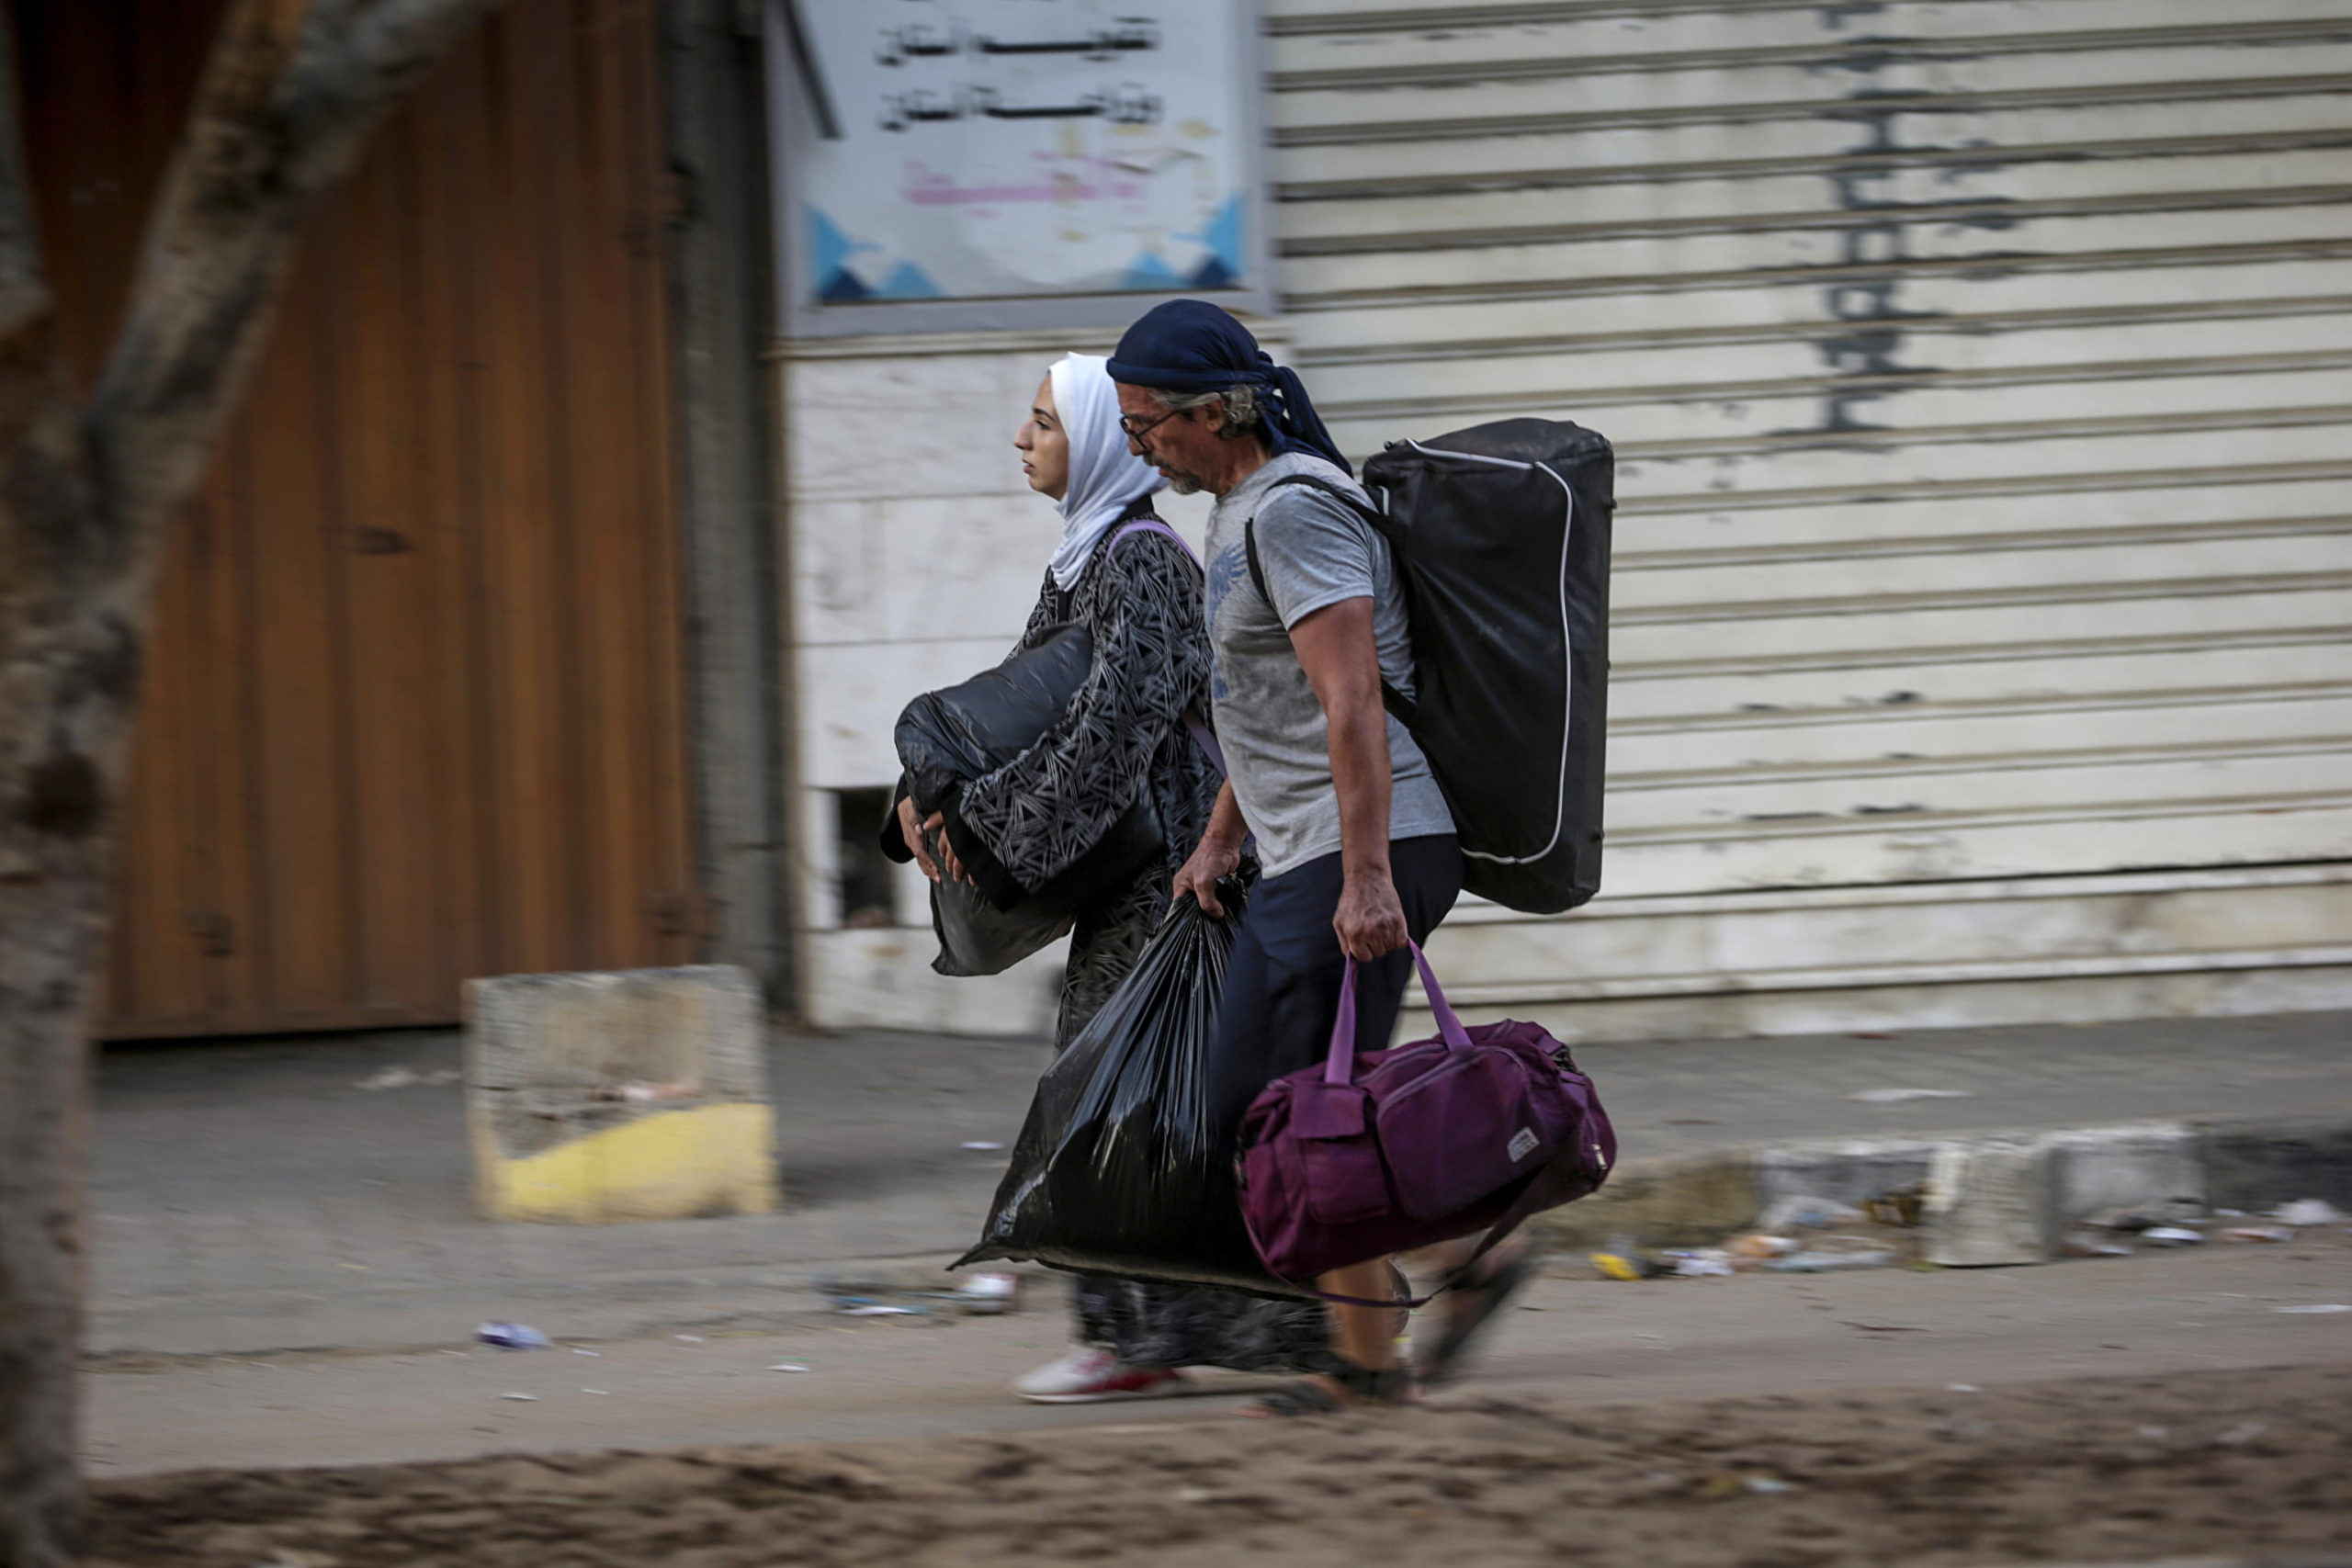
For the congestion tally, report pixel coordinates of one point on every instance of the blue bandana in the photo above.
(1191, 345)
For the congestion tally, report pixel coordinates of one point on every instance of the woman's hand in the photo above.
(913, 831)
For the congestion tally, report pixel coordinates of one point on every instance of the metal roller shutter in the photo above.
(1980, 374)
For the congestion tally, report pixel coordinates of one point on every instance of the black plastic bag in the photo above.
(946, 739)
(1119, 1169)
(978, 938)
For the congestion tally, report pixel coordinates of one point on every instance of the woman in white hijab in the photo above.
(1138, 592)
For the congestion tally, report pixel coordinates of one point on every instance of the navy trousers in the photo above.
(1281, 985)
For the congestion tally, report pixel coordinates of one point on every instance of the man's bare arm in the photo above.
(1218, 852)
(1336, 647)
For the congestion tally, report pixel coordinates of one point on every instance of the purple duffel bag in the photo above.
(1369, 1156)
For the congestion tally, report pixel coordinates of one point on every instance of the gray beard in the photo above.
(1183, 484)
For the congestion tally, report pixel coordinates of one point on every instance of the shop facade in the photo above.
(1978, 370)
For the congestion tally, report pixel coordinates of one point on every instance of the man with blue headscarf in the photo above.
(1306, 621)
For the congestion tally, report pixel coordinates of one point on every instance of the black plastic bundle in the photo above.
(949, 739)
(1119, 1169)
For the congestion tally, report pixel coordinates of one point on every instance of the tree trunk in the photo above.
(69, 667)
(66, 687)
(292, 92)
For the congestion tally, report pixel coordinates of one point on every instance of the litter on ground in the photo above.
(512, 1337)
(406, 1078)
(1889, 1096)
(1799, 1213)
(2171, 1235)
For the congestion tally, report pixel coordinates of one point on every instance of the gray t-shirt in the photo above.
(1315, 552)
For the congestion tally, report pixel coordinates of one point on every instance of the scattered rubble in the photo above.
(1808, 1214)
(2091, 1244)
(1703, 1262)
(1799, 1233)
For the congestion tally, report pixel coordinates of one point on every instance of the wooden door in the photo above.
(414, 707)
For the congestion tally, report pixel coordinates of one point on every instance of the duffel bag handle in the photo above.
(1339, 1068)
(1340, 1062)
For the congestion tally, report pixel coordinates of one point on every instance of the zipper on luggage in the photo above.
(1473, 457)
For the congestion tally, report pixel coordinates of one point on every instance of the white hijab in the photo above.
(1106, 478)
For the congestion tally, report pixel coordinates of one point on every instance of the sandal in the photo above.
(1363, 1385)
(1389, 1386)
(1478, 1302)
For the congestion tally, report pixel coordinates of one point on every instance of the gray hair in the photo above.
(1241, 417)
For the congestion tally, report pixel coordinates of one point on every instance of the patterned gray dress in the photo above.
(1140, 599)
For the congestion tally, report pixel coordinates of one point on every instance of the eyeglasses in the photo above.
(1135, 431)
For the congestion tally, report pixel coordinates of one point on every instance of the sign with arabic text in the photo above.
(1009, 149)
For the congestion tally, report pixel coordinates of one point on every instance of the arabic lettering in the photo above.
(922, 41)
(1110, 182)
(1127, 104)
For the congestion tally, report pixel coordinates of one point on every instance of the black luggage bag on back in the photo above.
(1502, 533)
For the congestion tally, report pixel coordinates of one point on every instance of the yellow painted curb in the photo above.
(671, 1165)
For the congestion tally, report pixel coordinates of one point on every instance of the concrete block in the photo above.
(1685, 1202)
(2258, 1165)
(597, 1099)
(1844, 1170)
(1990, 1202)
(2112, 1168)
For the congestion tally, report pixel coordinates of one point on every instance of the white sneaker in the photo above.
(1090, 1376)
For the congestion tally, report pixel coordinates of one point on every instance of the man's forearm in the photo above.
(1226, 829)
(1336, 649)
(1359, 748)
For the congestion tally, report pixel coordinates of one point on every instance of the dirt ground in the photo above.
(2093, 1470)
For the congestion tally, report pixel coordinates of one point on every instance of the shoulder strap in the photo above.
(1154, 526)
(1394, 701)
(1371, 514)
(1249, 528)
